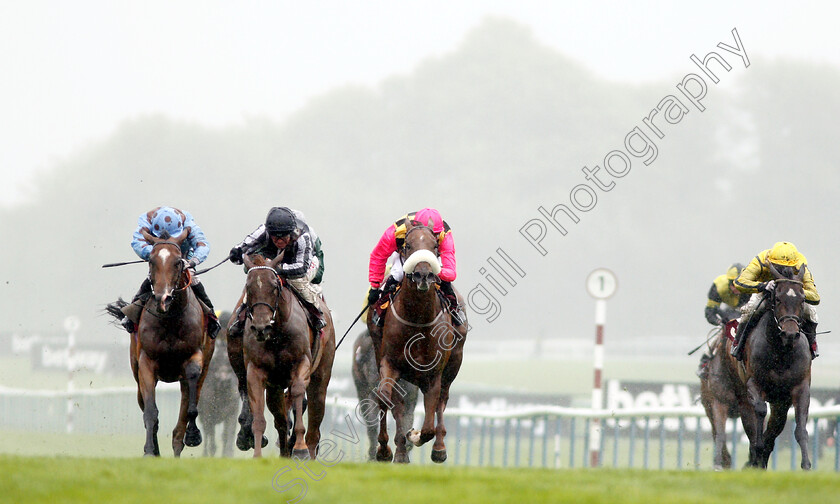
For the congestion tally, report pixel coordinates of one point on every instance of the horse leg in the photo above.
(146, 385)
(450, 371)
(801, 400)
(316, 393)
(300, 381)
(275, 399)
(431, 397)
(775, 425)
(759, 408)
(388, 376)
(722, 459)
(398, 412)
(193, 375)
(228, 433)
(256, 397)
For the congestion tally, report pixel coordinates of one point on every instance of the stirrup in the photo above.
(213, 327)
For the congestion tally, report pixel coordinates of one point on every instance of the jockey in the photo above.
(194, 249)
(285, 230)
(392, 241)
(721, 307)
(757, 279)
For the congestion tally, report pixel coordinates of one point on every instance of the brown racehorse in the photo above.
(419, 344)
(777, 362)
(723, 396)
(280, 350)
(170, 344)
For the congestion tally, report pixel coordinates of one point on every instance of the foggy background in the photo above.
(358, 113)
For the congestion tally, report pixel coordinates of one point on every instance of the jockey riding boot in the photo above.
(810, 330)
(454, 308)
(133, 310)
(238, 327)
(390, 286)
(213, 325)
(316, 316)
(703, 369)
(738, 348)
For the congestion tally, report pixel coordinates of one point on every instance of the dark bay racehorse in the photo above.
(170, 344)
(280, 351)
(777, 361)
(723, 396)
(419, 344)
(219, 402)
(365, 373)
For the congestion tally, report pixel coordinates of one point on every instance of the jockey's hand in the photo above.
(236, 255)
(193, 262)
(769, 286)
(373, 295)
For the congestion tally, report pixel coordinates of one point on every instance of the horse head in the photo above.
(788, 296)
(262, 294)
(420, 256)
(166, 267)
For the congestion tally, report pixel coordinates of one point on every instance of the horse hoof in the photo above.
(244, 441)
(300, 454)
(438, 456)
(384, 455)
(401, 458)
(413, 437)
(193, 438)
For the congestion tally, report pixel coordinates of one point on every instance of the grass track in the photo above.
(56, 480)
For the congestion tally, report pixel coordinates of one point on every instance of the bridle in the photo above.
(404, 251)
(780, 320)
(181, 264)
(274, 309)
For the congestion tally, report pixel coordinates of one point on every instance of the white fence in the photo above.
(553, 437)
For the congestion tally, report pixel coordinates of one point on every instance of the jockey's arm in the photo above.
(811, 295)
(198, 242)
(386, 246)
(303, 256)
(750, 278)
(447, 259)
(712, 311)
(141, 247)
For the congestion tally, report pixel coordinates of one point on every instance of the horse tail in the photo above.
(115, 309)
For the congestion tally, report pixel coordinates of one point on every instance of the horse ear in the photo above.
(150, 239)
(409, 224)
(183, 236)
(773, 270)
(431, 223)
(274, 262)
(246, 260)
(801, 274)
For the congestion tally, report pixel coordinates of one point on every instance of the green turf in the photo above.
(57, 480)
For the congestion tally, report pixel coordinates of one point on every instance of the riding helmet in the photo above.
(784, 254)
(734, 270)
(280, 221)
(167, 219)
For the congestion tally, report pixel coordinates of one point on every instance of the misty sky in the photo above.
(72, 71)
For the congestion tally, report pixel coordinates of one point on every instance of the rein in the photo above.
(783, 318)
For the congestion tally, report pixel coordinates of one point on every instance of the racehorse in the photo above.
(219, 402)
(171, 343)
(723, 396)
(418, 343)
(777, 360)
(365, 373)
(279, 351)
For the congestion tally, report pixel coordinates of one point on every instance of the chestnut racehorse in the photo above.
(171, 343)
(280, 350)
(419, 344)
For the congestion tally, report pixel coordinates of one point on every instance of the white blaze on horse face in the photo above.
(259, 283)
(163, 254)
(791, 292)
